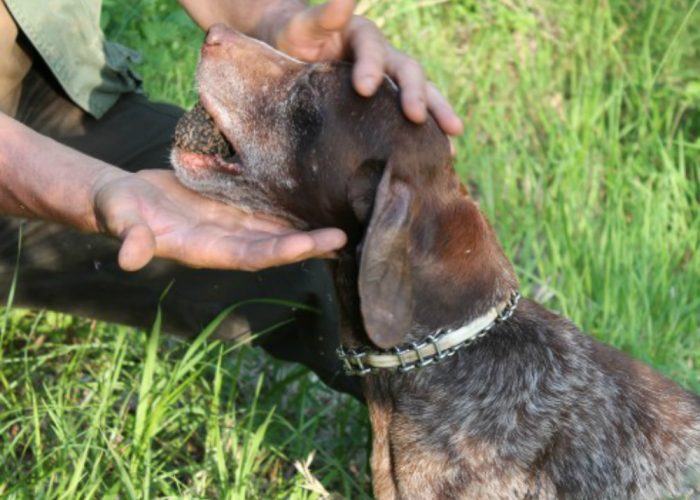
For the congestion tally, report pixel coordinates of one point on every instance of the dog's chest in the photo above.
(464, 468)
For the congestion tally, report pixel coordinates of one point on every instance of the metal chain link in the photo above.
(352, 358)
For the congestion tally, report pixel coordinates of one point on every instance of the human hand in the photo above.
(156, 216)
(331, 31)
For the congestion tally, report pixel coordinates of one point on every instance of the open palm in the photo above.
(156, 216)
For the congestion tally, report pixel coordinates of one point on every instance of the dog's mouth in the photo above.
(200, 145)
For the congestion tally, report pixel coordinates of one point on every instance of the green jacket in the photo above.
(67, 34)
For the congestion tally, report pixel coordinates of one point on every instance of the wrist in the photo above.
(11, 143)
(43, 179)
(100, 179)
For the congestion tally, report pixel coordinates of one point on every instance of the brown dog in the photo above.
(534, 408)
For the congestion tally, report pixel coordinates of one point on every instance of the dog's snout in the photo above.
(219, 34)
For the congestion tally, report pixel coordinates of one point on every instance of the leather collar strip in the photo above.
(433, 348)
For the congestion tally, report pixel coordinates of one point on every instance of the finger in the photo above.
(442, 112)
(328, 240)
(331, 16)
(295, 247)
(269, 252)
(411, 80)
(328, 256)
(369, 51)
(138, 247)
(280, 250)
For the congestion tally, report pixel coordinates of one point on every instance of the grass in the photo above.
(582, 144)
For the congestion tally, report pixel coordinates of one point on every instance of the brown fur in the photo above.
(535, 409)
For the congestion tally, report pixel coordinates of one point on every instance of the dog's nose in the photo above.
(218, 34)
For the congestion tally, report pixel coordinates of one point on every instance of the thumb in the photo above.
(333, 15)
(138, 247)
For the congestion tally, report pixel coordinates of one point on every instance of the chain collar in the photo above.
(435, 347)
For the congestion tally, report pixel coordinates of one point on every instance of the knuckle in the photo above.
(414, 67)
(362, 23)
(381, 50)
(401, 58)
(374, 47)
(409, 68)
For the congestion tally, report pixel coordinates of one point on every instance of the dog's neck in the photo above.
(459, 272)
(433, 348)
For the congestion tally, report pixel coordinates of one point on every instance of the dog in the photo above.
(472, 392)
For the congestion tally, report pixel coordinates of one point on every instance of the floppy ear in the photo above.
(386, 298)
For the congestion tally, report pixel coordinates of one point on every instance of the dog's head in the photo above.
(294, 140)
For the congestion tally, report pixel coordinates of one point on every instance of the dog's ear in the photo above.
(386, 296)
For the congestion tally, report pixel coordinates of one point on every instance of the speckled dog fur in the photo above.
(536, 409)
(196, 132)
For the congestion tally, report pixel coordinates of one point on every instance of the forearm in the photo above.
(41, 178)
(255, 18)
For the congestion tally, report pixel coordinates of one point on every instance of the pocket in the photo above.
(119, 59)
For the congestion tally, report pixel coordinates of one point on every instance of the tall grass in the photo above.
(582, 144)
